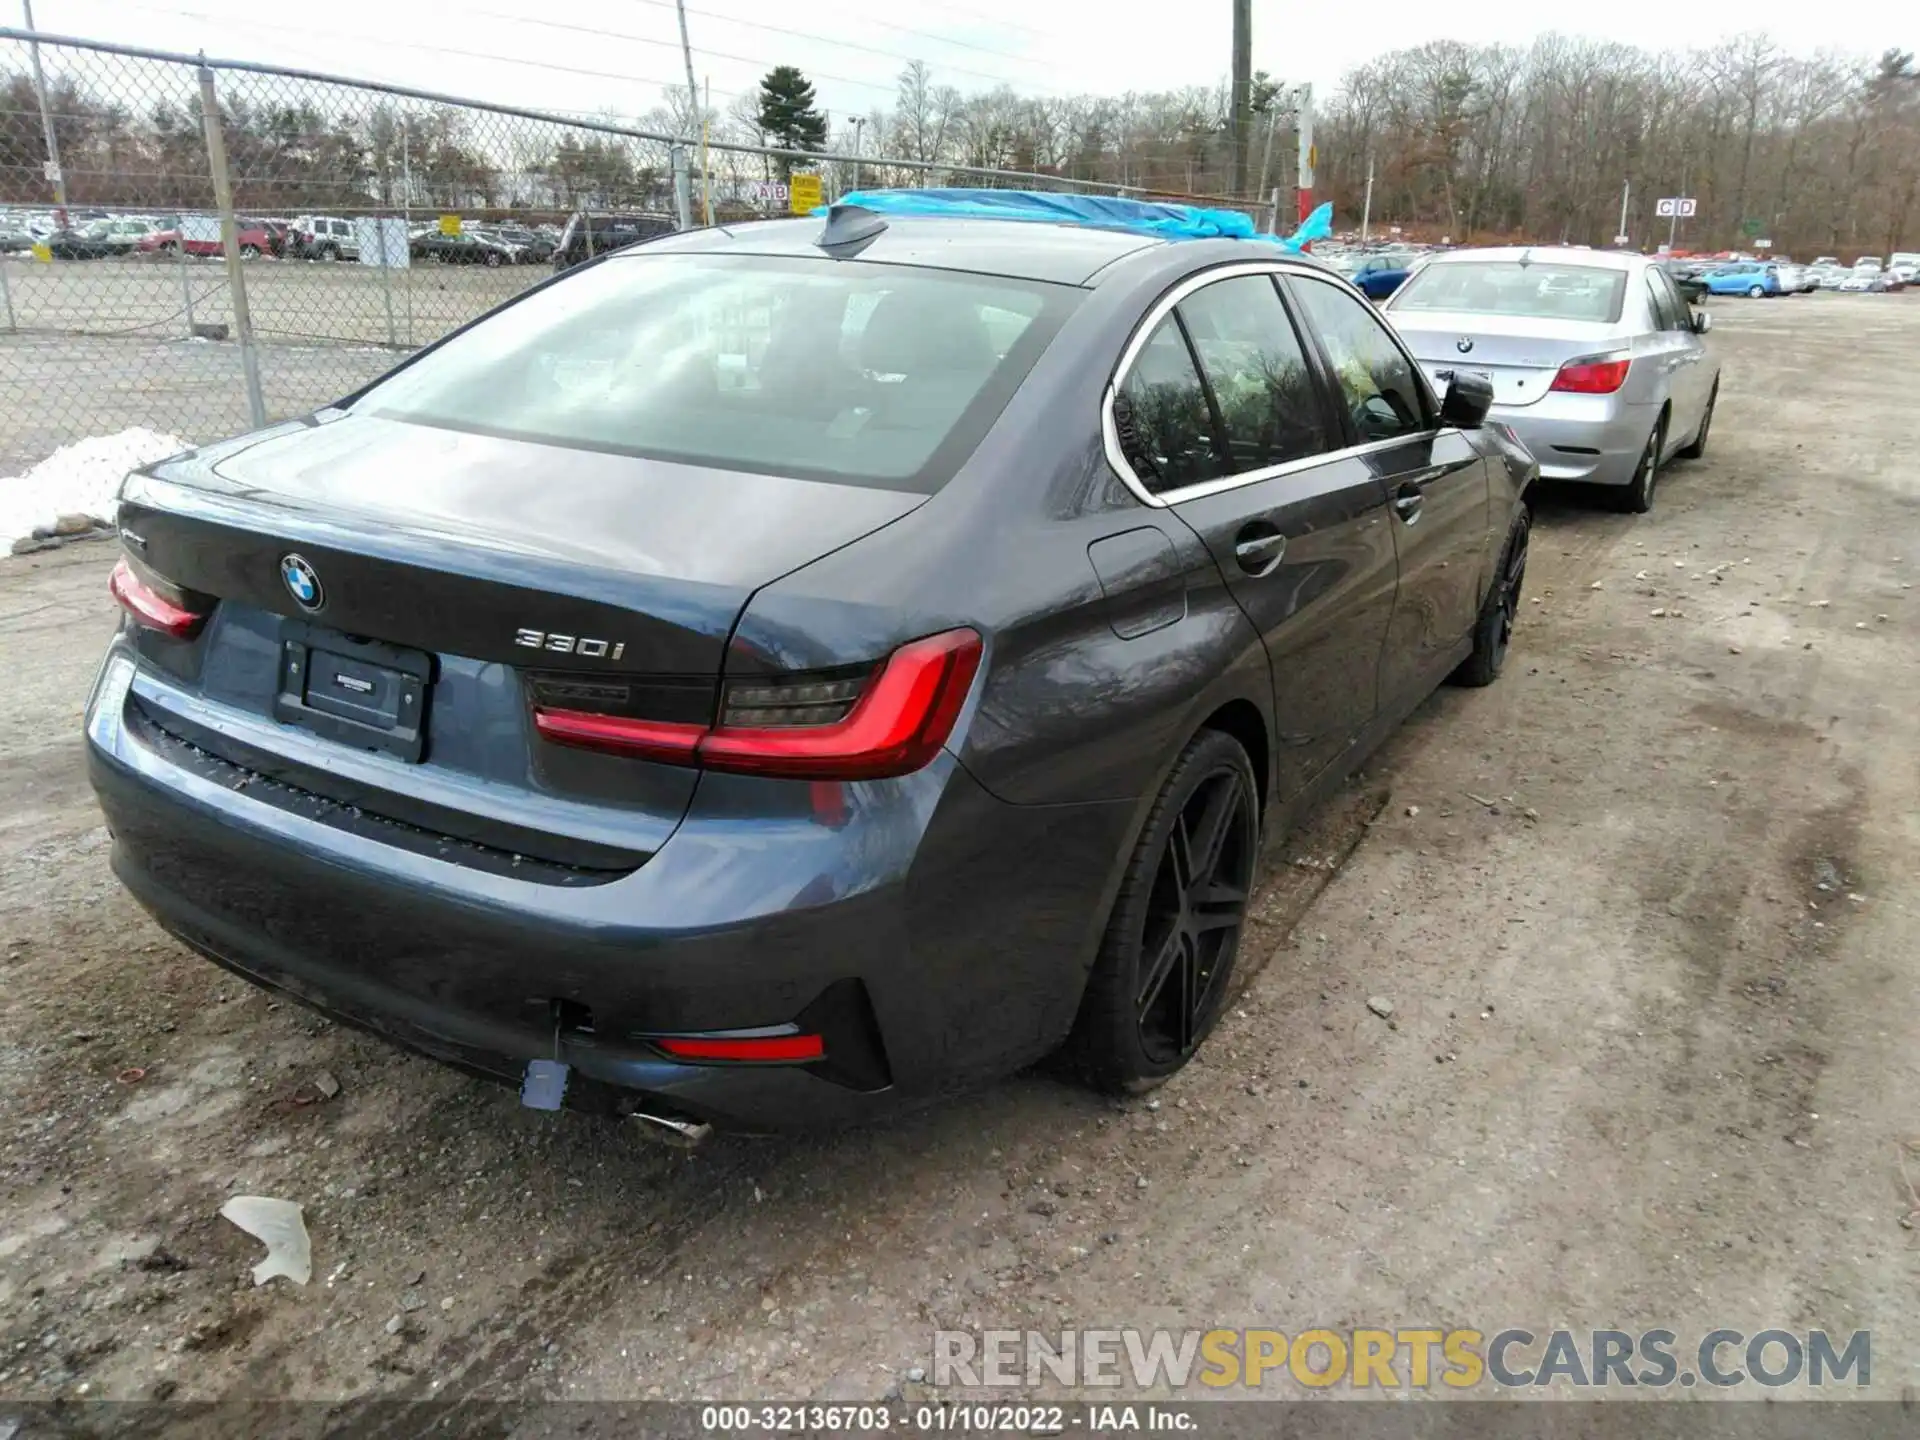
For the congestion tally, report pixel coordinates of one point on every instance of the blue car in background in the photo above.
(1378, 276)
(1750, 278)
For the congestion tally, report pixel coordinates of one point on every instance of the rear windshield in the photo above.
(1537, 289)
(825, 369)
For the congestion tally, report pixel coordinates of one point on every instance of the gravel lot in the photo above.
(1650, 940)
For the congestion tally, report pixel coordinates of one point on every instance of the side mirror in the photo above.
(1469, 398)
(1702, 322)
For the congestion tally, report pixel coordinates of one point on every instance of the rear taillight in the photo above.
(154, 604)
(832, 726)
(1593, 375)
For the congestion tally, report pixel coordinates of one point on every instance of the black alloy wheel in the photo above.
(1194, 916)
(1165, 967)
(1493, 631)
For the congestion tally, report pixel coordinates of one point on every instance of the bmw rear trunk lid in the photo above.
(388, 601)
(1520, 355)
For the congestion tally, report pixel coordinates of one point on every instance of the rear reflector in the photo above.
(785, 1049)
(1593, 375)
(149, 607)
(892, 722)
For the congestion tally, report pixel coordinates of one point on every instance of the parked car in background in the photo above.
(793, 770)
(1750, 278)
(469, 247)
(1378, 276)
(1821, 262)
(96, 242)
(1596, 361)
(1791, 278)
(587, 236)
(1867, 265)
(530, 247)
(252, 237)
(1686, 279)
(322, 237)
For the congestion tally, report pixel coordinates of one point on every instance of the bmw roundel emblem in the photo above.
(1463, 345)
(302, 582)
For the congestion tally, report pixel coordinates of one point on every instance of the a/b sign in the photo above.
(1680, 205)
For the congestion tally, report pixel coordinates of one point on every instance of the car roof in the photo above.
(1061, 254)
(1547, 255)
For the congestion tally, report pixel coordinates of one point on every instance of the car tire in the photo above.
(1756, 292)
(327, 252)
(1165, 968)
(493, 259)
(1637, 498)
(1697, 446)
(249, 252)
(1493, 631)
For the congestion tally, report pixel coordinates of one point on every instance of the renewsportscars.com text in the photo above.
(1401, 1358)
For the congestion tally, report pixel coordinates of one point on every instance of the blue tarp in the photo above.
(1105, 212)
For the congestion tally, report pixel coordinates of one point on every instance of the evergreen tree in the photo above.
(787, 114)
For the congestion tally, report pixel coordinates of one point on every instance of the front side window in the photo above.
(836, 370)
(1378, 383)
(1669, 311)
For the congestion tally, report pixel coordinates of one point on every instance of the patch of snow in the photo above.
(78, 479)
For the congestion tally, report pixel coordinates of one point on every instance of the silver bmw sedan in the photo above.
(1597, 363)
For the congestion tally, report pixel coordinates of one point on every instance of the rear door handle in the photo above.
(1407, 501)
(1258, 548)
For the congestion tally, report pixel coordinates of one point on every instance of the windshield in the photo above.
(882, 374)
(1537, 289)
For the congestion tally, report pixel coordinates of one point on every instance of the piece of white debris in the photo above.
(1380, 1006)
(1412, 810)
(1733, 649)
(1821, 604)
(1596, 585)
(1658, 611)
(278, 1225)
(1859, 624)
(1639, 574)
(1881, 618)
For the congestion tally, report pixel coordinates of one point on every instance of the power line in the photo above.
(626, 77)
(601, 34)
(856, 45)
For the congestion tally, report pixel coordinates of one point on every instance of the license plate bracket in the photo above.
(363, 693)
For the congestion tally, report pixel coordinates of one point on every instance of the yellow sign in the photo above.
(449, 224)
(803, 194)
(41, 252)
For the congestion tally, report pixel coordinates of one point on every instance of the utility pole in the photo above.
(1626, 190)
(54, 172)
(1366, 205)
(1308, 154)
(859, 123)
(686, 54)
(1242, 96)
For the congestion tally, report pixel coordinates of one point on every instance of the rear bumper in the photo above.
(969, 956)
(1593, 439)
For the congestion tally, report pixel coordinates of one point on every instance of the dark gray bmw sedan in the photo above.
(771, 675)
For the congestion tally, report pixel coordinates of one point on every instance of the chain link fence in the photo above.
(199, 280)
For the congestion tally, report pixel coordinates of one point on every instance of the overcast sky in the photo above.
(617, 54)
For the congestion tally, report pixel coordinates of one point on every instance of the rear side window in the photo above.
(1377, 381)
(835, 370)
(1269, 406)
(1166, 425)
(1540, 289)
